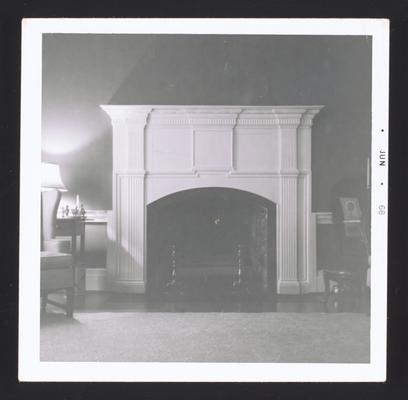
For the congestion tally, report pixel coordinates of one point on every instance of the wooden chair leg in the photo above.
(70, 302)
(326, 290)
(341, 298)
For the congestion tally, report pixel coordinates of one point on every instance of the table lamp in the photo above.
(51, 188)
(51, 177)
(51, 181)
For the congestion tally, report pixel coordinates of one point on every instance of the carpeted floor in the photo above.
(206, 337)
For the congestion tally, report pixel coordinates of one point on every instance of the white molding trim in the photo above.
(127, 286)
(174, 175)
(217, 170)
(212, 169)
(124, 114)
(293, 287)
(324, 218)
(233, 117)
(277, 168)
(130, 173)
(279, 173)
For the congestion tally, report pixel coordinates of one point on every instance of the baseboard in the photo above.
(127, 286)
(293, 287)
(284, 287)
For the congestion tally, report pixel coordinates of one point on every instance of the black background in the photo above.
(10, 38)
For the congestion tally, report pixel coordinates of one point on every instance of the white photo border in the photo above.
(30, 366)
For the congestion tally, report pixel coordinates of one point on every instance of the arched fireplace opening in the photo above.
(211, 240)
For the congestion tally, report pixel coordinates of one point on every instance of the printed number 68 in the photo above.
(381, 209)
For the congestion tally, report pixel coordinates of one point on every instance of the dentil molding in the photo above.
(174, 116)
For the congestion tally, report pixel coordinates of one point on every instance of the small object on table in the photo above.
(82, 211)
(67, 211)
(75, 211)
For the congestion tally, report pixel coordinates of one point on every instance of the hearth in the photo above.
(159, 151)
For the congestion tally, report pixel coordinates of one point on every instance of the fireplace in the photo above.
(211, 240)
(160, 151)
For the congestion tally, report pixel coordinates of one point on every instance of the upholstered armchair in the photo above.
(56, 261)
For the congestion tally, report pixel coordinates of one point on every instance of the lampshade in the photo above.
(51, 177)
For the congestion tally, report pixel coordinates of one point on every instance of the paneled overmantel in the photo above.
(160, 150)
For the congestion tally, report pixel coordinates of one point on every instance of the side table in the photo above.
(73, 227)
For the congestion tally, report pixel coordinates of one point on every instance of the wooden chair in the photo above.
(344, 290)
(56, 266)
(345, 286)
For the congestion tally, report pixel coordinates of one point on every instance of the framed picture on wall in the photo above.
(351, 208)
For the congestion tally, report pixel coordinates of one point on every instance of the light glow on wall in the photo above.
(67, 132)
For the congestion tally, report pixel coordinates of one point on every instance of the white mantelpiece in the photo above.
(159, 150)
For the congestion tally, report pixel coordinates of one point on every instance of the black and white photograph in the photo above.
(207, 198)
